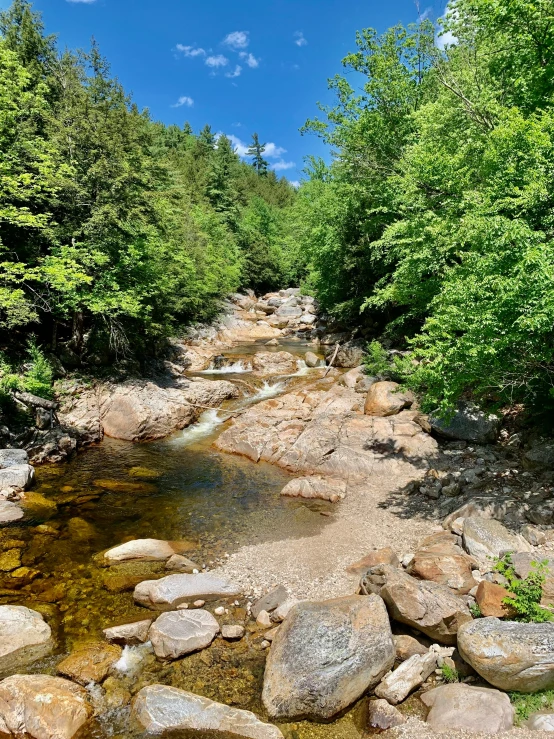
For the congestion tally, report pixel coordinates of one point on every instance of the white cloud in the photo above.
(249, 59)
(240, 147)
(294, 183)
(235, 73)
(237, 40)
(281, 164)
(299, 39)
(426, 14)
(187, 50)
(445, 39)
(274, 152)
(184, 100)
(87, 2)
(217, 61)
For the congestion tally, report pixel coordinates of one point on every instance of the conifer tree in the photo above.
(256, 151)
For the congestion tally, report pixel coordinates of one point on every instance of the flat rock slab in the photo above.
(159, 708)
(510, 655)
(143, 549)
(170, 591)
(460, 706)
(427, 606)
(326, 655)
(91, 663)
(485, 538)
(131, 634)
(42, 707)
(181, 632)
(17, 476)
(321, 488)
(24, 638)
(397, 685)
(13, 457)
(270, 601)
(10, 512)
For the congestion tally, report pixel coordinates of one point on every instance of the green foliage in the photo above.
(39, 376)
(449, 674)
(475, 610)
(376, 360)
(526, 592)
(527, 703)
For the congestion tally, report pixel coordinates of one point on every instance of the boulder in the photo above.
(18, 476)
(181, 632)
(469, 423)
(397, 685)
(90, 663)
(288, 311)
(131, 634)
(533, 535)
(311, 359)
(383, 716)
(385, 399)
(438, 558)
(143, 549)
(169, 592)
(406, 646)
(270, 601)
(24, 638)
(13, 458)
(427, 606)
(42, 707)
(486, 538)
(385, 556)
(460, 706)
(326, 655)
(352, 377)
(10, 512)
(540, 454)
(490, 599)
(274, 363)
(324, 488)
(349, 355)
(159, 709)
(308, 319)
(508, 654)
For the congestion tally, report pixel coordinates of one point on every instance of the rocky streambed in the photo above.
(263, 546)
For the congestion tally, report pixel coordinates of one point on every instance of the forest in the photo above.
(430, 229)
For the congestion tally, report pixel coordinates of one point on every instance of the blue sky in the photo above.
(240, 66)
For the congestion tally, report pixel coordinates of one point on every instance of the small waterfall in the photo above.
(268, 391)
(236, 368)
(131, 658)
(207, 422)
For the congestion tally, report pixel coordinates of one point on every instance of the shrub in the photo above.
(527, 703)
(526, 593)
(39, 376)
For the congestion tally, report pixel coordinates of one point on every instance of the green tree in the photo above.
(256, 151)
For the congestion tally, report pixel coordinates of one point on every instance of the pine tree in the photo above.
(220, 188)
(23, 32)
(256, 151)
(187, 129)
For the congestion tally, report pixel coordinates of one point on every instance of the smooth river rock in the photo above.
(131, 634)
(326, 655)
(386, 399)
(181, 632)
(486, 538)
(42, 707)
(13, 457)
(508, 654)
(460, 706)
(169, 592)
(159, 708)
(10, 512)
(24, 638)
(19, 476)
(90, 663)
(427, 606)
(322, 488)
(142, 549)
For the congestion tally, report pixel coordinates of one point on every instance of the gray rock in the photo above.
(24, 638)
(181, 632)
(397, 685)
(13, 458)
(140, 549)
(10, 512)
(469, 423)
(270, 601)
(460, 706)
(540, 454)
(179, 563)
(17, 476)
(427, 606)
(169, 592)
(159, 708)
(311, 359)
(510, 655)
(541, 722)
(288, 311)
(350, 354)
(326, 655)
(232, 631)
(485, 538)
(42, 707)
(135, 633)
(384, 716)
(533, 535)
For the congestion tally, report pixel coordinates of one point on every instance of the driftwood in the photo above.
(35, 401)
(337, 347)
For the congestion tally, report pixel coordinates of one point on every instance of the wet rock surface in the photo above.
(169, 592)
(180, 632)
(24, 638)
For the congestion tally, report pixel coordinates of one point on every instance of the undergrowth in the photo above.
(527, 703)
(525, 593)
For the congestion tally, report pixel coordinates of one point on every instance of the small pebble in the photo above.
(199, 603)
(219, 611)
(265, 644)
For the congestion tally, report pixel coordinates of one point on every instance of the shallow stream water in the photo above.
(176, 489)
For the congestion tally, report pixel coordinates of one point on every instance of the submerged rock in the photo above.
(24, 638)
(181, 632)
(159, 708)
(460, 706)
(10, 512)
(326, 655)
(510, 655)
(170, 591)
(90, 663)
(42, 707)
(322, 488)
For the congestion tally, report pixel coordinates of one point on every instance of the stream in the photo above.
(179, 488)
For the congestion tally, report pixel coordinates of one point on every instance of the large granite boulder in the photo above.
(349, 355)
(326, 655)
(508, 654)
(169, 592)
(438, 558)
(386, 399)
(274, 363)
(469, 423)
(322, 488)
(159, 709)
(90, 663)
(460, 706)
(13, 458)
(181, 632)
(427, 606)
(486, 538)
(42, 707)
(24, 638)
(19, 476)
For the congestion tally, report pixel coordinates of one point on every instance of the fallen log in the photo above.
(337, 347)
(35, 401)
